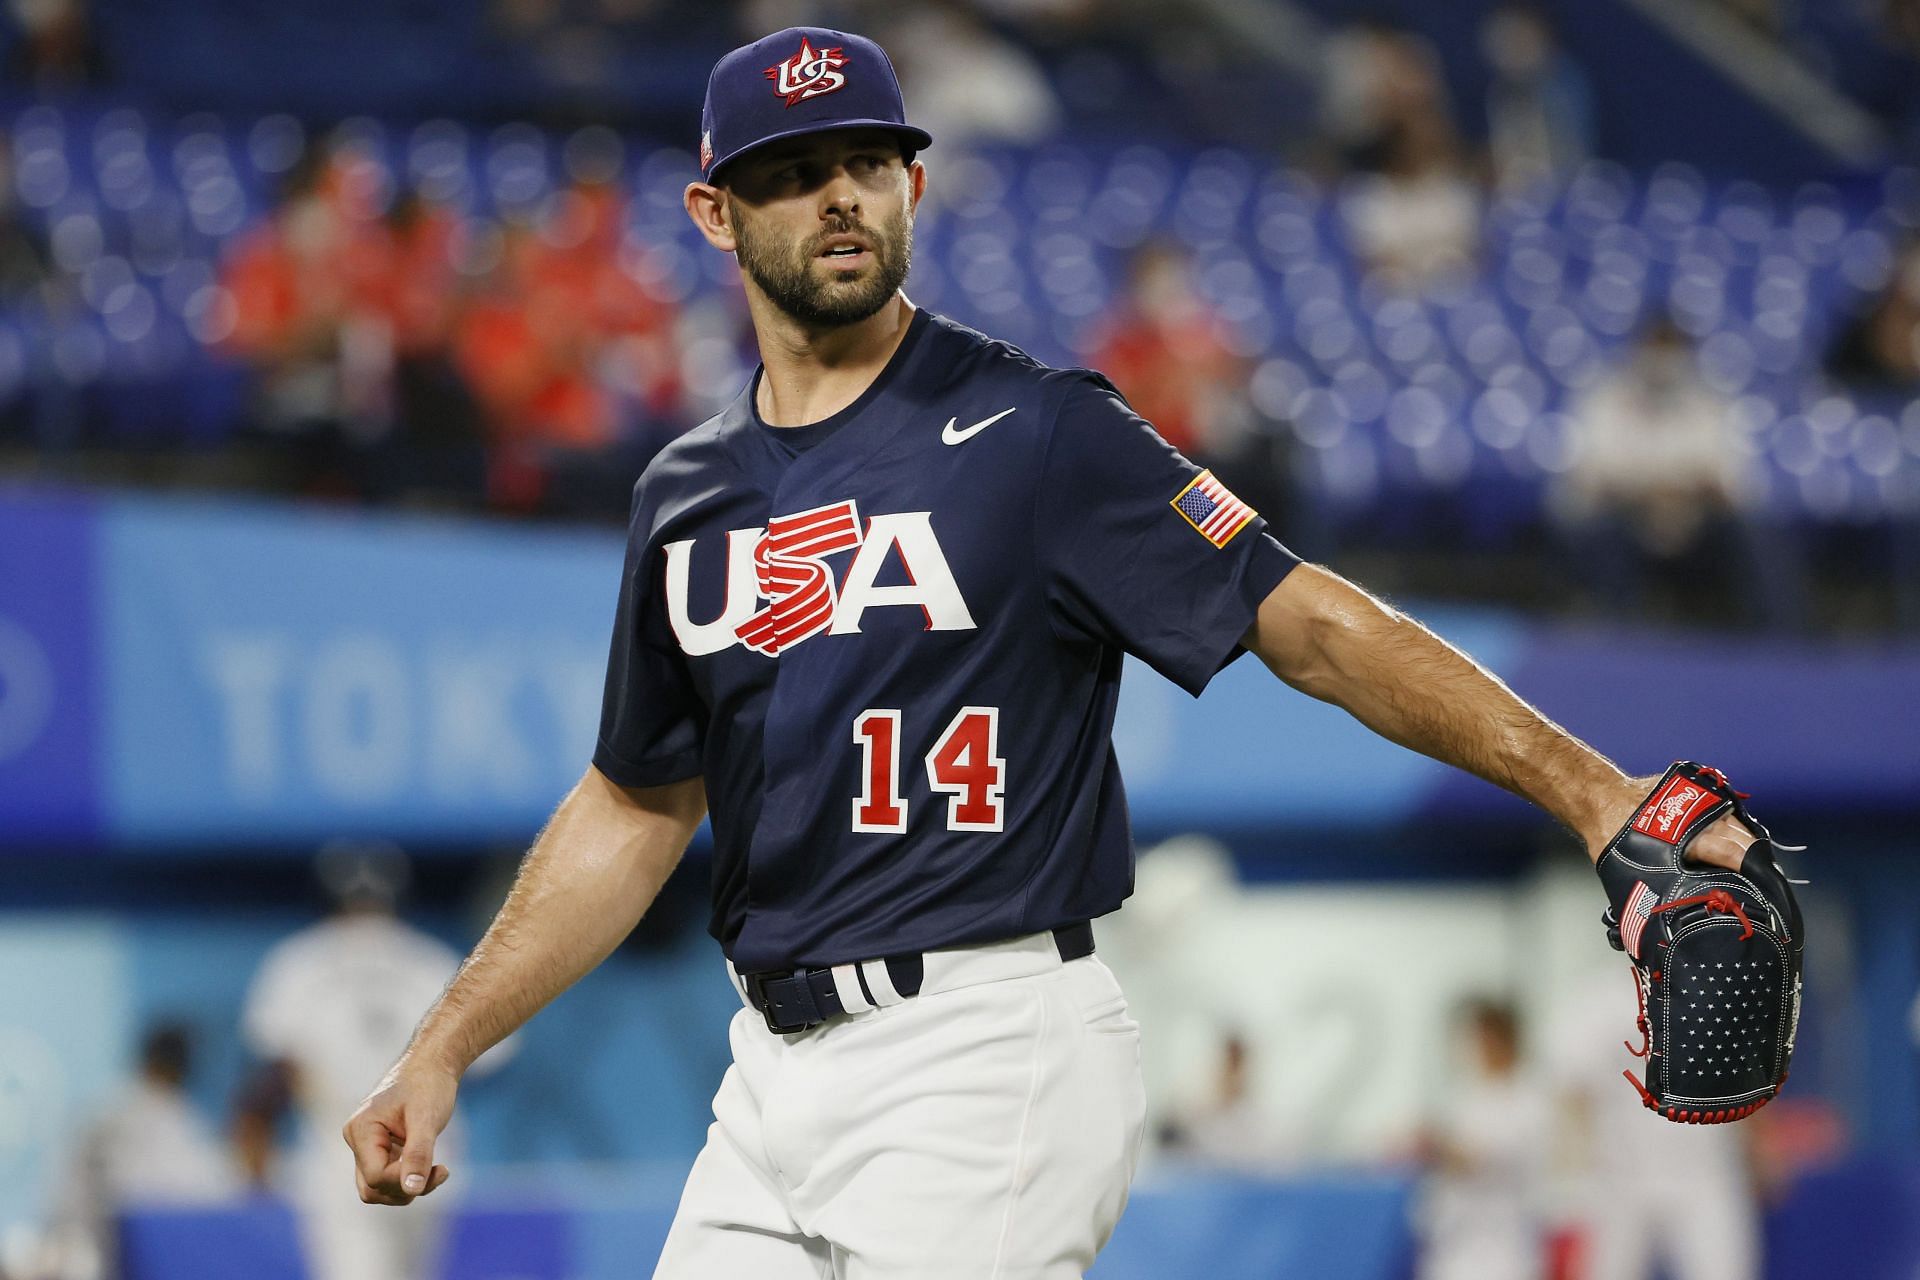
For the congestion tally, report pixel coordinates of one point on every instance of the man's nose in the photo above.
(842, 196)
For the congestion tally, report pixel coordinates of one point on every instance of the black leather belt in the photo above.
(797, 999)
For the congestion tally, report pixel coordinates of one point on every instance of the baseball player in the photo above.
(873, 618)
(330, 1006)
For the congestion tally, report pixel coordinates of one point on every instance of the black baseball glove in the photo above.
(1716, 954)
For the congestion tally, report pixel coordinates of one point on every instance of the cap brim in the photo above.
(919, 139)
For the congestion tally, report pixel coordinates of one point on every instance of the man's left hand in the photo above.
(1723, 844)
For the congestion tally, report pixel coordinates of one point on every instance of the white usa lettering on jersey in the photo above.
(909, 534)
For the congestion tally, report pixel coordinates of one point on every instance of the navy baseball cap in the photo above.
(798, 81)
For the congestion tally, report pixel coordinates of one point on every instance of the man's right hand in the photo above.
(393, 1132)
(581, 889)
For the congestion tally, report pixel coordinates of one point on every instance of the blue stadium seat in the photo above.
(1460, 391)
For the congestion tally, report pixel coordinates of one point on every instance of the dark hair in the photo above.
(167, 1050)
(1662, 326)
(1485, 1013)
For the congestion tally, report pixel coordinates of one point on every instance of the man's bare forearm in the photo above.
(583, 886)
(1328, 638)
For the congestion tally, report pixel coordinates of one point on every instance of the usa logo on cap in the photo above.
(799, 81)
(808, 74)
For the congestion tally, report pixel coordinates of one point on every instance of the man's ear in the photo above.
(916, 183)
(706, 204)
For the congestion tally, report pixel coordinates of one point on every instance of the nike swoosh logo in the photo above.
(950, 436)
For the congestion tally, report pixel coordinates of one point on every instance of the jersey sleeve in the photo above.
(1141, 549)
(650, 722)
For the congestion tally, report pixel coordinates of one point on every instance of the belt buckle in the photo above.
(757, 991)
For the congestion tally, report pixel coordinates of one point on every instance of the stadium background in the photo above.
(331, 337)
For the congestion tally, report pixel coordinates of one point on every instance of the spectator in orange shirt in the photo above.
(290, 299)
(575, 364)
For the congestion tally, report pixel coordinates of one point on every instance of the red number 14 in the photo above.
(964, 764)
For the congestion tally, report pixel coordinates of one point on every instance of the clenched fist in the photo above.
(393, 1132)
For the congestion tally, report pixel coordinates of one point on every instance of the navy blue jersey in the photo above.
(891, 641)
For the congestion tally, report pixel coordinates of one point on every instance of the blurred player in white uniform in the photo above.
(1232, 1129)
(331, 1006)
(1481, 1218)
(149, 1147)
(1679, 1196)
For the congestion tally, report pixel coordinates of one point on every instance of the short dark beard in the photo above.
(787, 277)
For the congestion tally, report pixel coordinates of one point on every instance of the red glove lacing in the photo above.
(1716, 900)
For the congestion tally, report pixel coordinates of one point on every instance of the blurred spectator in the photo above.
(1480, 1217)
(434, 445)
(574, 364)
(1876, 353)
(149, 1146)
(966, 83)
(1352, 88)
(1648, 1193)
(1662, 479)
(26, 280)
(1415, 216)
(1170, 353)
(1416, 222)
(1879, 348)
(57, 47)
(1166, 349)
(1378, 79)
(329, 1011)
(24, 265)
(1230, 1129)
(1539, 104)
(308, 287)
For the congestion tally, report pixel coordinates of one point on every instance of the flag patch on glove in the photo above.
(1634, 916)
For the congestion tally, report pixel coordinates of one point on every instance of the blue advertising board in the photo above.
(49, 710)
(297, 675)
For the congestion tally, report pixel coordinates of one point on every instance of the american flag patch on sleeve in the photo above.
(1210, 507)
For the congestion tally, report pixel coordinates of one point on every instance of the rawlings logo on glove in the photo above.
(1716, 953)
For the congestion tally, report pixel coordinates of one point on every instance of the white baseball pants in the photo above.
(987, 1129)
(1706, 1229)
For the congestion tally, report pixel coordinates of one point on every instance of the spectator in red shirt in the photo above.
(1172, 355)
(1166, 349)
